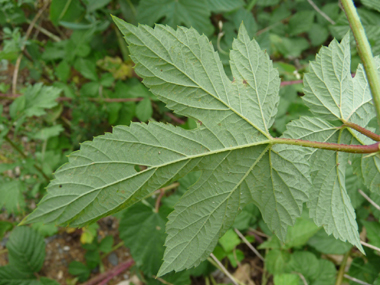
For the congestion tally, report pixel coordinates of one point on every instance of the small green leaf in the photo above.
(106, 244)
(11, 196)
(373, 232)
(229, 240)
(218, 6)
(328, 244)
(287, 278)
(277, 261)
(144, 110)
(77, 268)
(176, 13)
(301, 22)
(62, 71)
(34, 101)
(49, 132)
(87, 68)
(143, 232)
(26, 250)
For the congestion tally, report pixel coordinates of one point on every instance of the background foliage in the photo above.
(66, 77)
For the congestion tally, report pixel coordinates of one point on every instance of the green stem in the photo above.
(330, 146)
(363, 131)
(342, 268)
(16, 148)
(365, 52)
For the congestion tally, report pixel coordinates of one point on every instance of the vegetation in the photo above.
(259, 164)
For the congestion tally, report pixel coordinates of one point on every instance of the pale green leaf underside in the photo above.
(330, 91)
(232, 147)
(329, 203)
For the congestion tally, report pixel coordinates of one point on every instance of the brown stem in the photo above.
(372, 148)
(16, 148)
(158, 201)
(284, 83)
(107, 276)
(363, 131)
(27, 34)
(174, 118)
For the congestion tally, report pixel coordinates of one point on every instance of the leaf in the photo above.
(373, 232)
(11, 275)
(34, 101)
(330, 91)
(11, 196)
(329, 203)
(299, 234)
(79, 269)
(305, 263)
(143, 232)
(26, 250)
(301, 22)
(176, 12)
(289, 279)
(238, 164)
(229, 241)
(328, 244)
(144, 110)
(277, 261)
(372, 4)
(106, 244)
(220, 6)
(46, 133)
(87, 68)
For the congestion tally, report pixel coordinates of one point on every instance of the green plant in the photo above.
(240, 161)
(26, 253)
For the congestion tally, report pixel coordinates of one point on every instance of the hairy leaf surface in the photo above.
(231, 146)
(329, 203)
(330, 91)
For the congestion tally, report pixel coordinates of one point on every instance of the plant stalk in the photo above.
(16, 148)
(330, 146)
(342, 268)
(363, 131)
(365, 52)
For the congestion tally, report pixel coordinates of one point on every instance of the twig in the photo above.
(258, 233)
(249, 244)
(162, 280)
(342, 268)
(321, 12)
(16, 148)
(107, 276)
(224, 269)
(370, 246)
(45, 32)
(302, 277)
(369, 199)
(285, 83)
(174, 118)
(27, 34)
(355, 280)
(158, 201)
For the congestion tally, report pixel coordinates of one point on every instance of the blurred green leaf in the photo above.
(144, 110)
